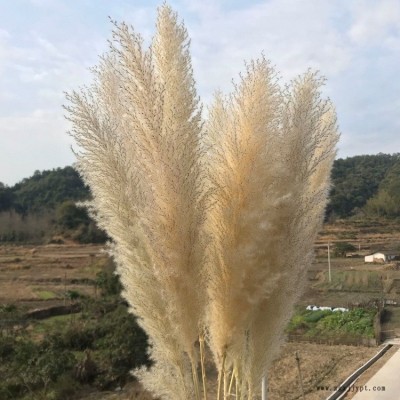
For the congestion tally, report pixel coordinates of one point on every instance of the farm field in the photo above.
(352, 280)
(41, 276)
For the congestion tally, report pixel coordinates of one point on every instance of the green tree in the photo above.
(6, 197)
(108, 281)
(70, 216)
(47, 189)
(386, 202)
(355, 180)
(39, 365)
(341, 248)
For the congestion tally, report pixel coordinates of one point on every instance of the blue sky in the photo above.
(47, 46)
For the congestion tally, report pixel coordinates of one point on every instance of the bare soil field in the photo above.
(42, 274)
(321, 366)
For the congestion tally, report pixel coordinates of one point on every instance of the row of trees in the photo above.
(43, 191)
(386, 202)
(369, 183)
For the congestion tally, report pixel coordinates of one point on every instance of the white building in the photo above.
(381, 256)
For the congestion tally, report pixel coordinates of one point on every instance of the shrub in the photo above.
(79, 338)
(7, 347)
(315, 316)
(341, 248)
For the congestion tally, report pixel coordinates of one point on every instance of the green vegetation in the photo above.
(386, 202)
(46, 190)
(341, 248)
(52, 324)
(46, 294)
(43, 205)
(355, 180)
(326, 324)
(56, 357)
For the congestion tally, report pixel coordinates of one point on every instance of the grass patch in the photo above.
(95, 267)
(46, 294)
(53, 323)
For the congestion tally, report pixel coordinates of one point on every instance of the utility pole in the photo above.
(65, 289)
(329, 263)
(300, 375)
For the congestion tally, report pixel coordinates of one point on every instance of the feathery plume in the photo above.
(212, 227)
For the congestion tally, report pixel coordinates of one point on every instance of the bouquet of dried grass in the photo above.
(212, 223)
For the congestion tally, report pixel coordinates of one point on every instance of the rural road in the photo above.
(384, 385)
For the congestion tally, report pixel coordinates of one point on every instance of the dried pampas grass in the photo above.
(212, 223)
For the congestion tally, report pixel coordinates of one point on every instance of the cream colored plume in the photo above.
(212, 226)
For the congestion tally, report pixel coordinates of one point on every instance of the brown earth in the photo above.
(42, 274)
(321, 366)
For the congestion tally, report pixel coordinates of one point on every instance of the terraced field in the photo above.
(44, 274)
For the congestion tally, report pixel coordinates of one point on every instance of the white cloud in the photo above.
(293, 37)
(374, 21)
(4, 48)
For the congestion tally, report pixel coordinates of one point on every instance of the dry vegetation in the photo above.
(211, 244)
(35, 275)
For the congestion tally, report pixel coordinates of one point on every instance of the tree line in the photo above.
(44, 206)
(367, 184)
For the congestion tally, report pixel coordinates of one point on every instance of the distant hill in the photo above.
(42, 207)
(42, 191)
(357, 179)
(369, 184)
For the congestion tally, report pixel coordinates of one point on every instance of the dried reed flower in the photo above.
(212, 227)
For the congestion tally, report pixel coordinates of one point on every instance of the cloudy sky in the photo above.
(47, 46)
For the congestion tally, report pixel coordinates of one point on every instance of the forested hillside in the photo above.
(42, 191)
(39, 207)
(386, 201)
(357, 179)
(42, 207)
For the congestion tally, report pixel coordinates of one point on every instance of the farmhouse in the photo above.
(382, 256)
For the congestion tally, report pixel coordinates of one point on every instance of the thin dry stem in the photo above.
(203, 367)
(221, 377)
